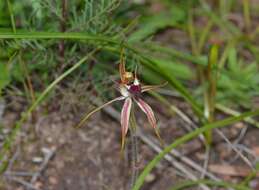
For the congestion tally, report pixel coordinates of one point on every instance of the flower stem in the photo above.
(134, 150)
(210, 92)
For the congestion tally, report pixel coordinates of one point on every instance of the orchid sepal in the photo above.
(125, 116)
(86, 117)
(146, 88)
(150, 116)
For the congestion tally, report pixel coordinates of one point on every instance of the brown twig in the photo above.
(49, 153)
(22, 182)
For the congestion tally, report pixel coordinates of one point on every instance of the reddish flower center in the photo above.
(135, 89)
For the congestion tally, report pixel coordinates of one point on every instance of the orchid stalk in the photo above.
(134, 149)
(131, 92)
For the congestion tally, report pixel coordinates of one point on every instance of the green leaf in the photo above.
(179, 70)
(238, 83)
(170, 78)
(17, 73)
(151, 24)
(232, 58)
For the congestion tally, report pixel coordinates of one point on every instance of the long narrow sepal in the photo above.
(125, 116)
(152, 87)
(136, 72)
(122, 69)
(86, 117)
(150, 115)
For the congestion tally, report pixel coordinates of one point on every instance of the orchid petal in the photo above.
(97, 109)
(152, 87)
(150, 115)
(124, 90)
(125, 116)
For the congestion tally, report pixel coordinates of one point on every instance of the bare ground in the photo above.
(89, 158)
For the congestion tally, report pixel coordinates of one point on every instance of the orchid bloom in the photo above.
(130, 90)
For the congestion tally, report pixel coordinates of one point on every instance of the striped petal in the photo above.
(125, 116)
(150, 115)
(152, 87)
(97, 109)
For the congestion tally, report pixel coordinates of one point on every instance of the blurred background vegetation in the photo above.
(207, 51)
(175, 35)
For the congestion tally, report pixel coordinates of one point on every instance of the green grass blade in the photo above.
(8, 142)
(100, 38)
(81, 36)
(154, 66)
(10, 8)
(186, 138)
(246, 12)
(226, 26)
(200, 60)
(151, 64)
(56, 35)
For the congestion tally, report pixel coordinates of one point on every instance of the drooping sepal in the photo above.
(152, 87)
(86, 117)
(150, 115)
(125, 116)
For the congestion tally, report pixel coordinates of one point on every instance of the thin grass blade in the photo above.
(186, 138)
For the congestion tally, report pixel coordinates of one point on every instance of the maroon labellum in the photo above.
(135, 90)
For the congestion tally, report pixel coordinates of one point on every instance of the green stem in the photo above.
(10, 8)
(210, 93)
(134, 149)
(246, 12)
(57, 35)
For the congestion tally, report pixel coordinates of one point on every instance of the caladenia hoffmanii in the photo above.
(131, 91)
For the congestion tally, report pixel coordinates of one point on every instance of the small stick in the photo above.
(150, 141)
(170, 159)
(18, 173)
(245, 159)
(22, 182)
(49, 155)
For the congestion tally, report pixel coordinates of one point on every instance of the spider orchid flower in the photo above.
(130, 90)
